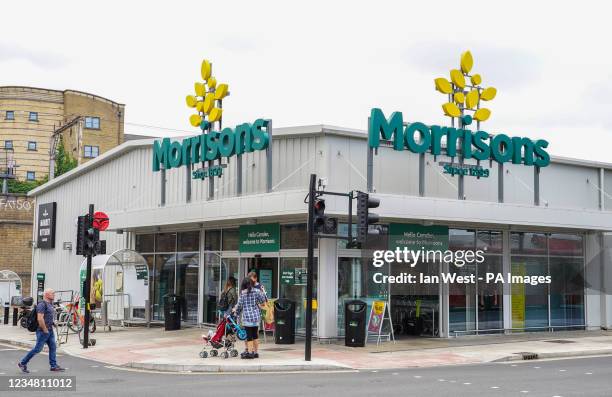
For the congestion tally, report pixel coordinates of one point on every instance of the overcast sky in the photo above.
(325, 62)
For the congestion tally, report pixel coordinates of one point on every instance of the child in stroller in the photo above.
(224, 338)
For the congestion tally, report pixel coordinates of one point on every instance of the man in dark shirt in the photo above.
(45, 314)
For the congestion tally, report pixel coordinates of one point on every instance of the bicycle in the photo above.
(70, 315)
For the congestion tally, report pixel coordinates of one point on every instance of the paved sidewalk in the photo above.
(156, 349)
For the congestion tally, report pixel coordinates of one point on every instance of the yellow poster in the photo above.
(379, 307)
(518, 296)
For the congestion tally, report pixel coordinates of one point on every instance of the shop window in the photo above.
(165, 242)
(231, 239)
(145, 243)
(528, 243)
(10, 115)
(566, 292)
(343, 232)
(294, 236)
(187, 275)
(212, 240)
(460, 239)
(565, 245)
(529, 308)
(164, 282)
(31, 176)
(92, 123)
(189, 241)
(293, 276)
(33, 116)
(32, 145)
(356, 281)
(489, 241)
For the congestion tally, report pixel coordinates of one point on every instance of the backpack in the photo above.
(32, 321)
(223, 301)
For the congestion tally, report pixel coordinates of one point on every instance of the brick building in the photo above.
(29, 116)
(16, 218)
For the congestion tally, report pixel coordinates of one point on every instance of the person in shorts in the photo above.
(248, 307)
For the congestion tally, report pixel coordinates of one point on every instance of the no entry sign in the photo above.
(100, 221)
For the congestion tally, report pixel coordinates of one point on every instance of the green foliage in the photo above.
(63, 161)
(15, 186)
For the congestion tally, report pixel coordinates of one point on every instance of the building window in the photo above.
(92, 123)
(91, 151)
(10, 115)
(8, 144)
(32, 145)
(31, 176)
(33, 116)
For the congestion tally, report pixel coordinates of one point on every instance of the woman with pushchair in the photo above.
(250, 301)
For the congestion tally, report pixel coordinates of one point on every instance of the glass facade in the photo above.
(479, 306)
(174, 268)
(559, 304)
(174, 263)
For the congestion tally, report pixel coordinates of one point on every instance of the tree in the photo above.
(63, 160)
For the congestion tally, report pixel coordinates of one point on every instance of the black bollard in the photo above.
(15, 315)
(6, 313)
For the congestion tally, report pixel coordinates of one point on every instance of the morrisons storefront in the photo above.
(221, 203)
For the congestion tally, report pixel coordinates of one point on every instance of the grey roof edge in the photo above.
(304, 130)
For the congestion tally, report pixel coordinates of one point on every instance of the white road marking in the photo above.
(466, 383)
(6, 350)
(494, 387)
(513, 365)
(441, 380)
(94, 366)
(417, 376)
(525, 391)
(562, 370)
(588, 373)
(2, 373)
(375, 371)
(395, 373)
(536, 367)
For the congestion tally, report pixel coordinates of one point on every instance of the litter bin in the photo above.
(284, 322)
(355, 323)
(172, 312)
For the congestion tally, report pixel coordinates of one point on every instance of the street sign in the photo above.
(100, 221)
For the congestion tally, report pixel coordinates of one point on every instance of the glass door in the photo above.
(267, 273)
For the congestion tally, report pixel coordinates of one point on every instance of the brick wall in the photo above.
(16, 219)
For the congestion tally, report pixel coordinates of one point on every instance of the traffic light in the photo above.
(80, 240)
(88, 238)
(322, 223)
(364, 217)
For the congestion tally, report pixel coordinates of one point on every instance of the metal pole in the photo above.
(269, 158)
(6, 313)
(88, 285)
(310, 266)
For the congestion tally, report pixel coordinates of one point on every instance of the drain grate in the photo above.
(528, 355)
(559, 341)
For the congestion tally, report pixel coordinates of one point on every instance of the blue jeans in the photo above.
(41, 340)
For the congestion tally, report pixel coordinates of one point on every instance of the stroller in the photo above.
(228, 330)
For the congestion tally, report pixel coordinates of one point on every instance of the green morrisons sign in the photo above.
(259, 238)
(479, 145)
(213, 145)
(417, 237)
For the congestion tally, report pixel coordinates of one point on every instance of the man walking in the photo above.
(45, 314)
